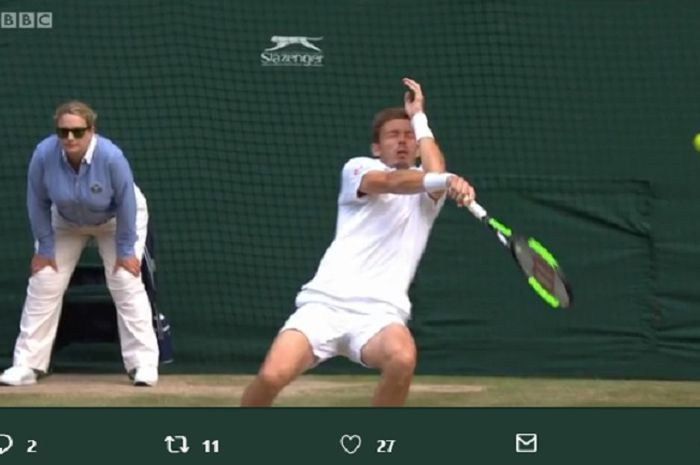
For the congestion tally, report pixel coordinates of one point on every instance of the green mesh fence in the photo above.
(574, 120)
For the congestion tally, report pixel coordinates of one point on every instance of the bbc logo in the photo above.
(26, 20)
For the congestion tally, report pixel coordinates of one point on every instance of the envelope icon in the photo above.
(526, 442)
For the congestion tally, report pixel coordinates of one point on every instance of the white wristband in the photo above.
(435, 182)
(419, 121)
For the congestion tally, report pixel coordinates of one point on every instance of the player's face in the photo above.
(397, 145)
(76, 141)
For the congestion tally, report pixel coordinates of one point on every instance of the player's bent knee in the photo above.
(402, 360)
(275, 378)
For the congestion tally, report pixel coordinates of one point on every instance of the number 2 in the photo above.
(31, 448)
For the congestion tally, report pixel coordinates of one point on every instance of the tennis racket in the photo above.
(542, 270)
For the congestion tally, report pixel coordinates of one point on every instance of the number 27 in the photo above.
(385, 446)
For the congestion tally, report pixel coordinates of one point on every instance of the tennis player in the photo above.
(357, 304)
(80, 186)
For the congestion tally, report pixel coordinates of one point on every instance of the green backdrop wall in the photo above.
(573, 119)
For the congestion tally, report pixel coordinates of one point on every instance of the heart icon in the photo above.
(350, 443)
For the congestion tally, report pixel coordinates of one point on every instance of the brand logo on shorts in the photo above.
(96, 188)
(293, 51)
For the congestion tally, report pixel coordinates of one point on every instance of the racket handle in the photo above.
(477, 210)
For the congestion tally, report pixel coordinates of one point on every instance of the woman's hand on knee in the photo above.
(130, 264)
(40, 262)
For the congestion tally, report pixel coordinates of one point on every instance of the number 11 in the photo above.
(211, 446)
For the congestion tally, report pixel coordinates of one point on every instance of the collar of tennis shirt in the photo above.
(88, 154)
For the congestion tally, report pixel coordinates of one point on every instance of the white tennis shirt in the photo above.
(378, 243)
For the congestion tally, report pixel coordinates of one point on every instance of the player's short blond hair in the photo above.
(78, 108)
(383, 117)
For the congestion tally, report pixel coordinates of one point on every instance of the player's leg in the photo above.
(139, 345)
(392, 351)
(289, 356)
(42, 307)
(309, 336)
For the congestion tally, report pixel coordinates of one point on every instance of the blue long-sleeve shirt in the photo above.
(101, 190)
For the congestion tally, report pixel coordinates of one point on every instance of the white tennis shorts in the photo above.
(334, 331)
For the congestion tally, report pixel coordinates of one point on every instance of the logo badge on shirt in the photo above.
(96, 188)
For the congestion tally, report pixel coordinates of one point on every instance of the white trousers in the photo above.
(42, 307)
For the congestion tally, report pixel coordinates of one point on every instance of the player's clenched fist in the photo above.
(460, 190)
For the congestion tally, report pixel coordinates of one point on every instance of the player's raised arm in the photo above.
(400, 136)
(432, 159)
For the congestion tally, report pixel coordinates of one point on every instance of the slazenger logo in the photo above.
(292, 51)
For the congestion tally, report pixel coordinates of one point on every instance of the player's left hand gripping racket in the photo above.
(542, 270)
